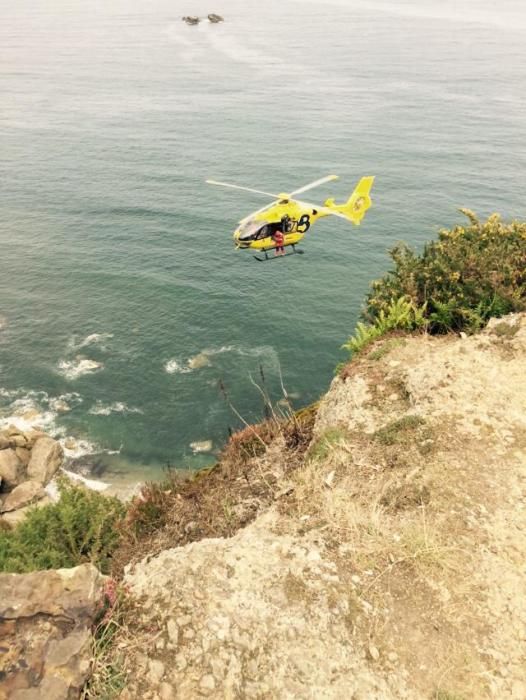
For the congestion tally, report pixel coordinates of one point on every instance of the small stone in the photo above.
(173, 631)
(155, 671)
(329, 479)
(392, 656)
(166, 692)
(180, 662)
(374, 653)
(184, 620)
(189, 633)
(207, 682)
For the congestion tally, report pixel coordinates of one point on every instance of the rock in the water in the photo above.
(199, 361)
(45, 620)
(201, 446)
(23, 495)
(11, 469)
(46, 457)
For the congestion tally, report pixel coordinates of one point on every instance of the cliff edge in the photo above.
(391, 560)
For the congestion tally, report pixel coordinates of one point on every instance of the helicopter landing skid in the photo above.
(295, 251)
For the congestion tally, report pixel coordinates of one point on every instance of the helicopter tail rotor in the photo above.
(358, 203)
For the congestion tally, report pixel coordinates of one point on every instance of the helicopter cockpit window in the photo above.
(253, 230)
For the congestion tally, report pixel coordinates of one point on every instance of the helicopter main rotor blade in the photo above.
(316, 183)
(237, 187)
(255, 213)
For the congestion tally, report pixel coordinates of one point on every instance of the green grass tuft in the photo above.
(398, 431)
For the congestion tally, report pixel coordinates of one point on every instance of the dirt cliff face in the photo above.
(391, 565)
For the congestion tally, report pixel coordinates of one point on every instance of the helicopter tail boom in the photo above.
(358, 203)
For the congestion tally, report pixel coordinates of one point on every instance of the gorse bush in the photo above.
(469, 275)
(80, 528)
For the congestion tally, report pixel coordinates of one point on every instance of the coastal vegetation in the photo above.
(376, 496)
(458, 282)
(469, 275)
(81, 527)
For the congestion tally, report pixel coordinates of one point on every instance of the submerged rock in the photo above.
(199, 361)
(202, 446)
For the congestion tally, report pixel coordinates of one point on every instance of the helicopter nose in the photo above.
(237, 240)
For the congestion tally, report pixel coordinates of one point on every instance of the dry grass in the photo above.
(220, 500)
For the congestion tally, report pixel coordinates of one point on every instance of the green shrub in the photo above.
(81, 527)
(470, 274)
(399, 314)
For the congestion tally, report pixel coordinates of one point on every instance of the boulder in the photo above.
(4, 442)
(18, 440)
(11, 469)
(14, 517)
(32, 436)
(23, 455)
(23, 495)
(45, 621)
(46, 457)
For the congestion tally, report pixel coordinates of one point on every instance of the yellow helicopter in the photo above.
(293, 217)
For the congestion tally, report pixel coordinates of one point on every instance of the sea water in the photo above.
(124, 307)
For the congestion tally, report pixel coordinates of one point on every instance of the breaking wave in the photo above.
(91, 339)
(176, 367)
(205, 357)
(73, 369)
(101, 409)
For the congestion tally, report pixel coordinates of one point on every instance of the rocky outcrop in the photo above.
(11, 469)
(45, 621)
(46, 457)
(28, 461)
(393, 564)
(23, 495)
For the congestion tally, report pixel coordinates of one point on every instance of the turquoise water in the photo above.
(117, 265)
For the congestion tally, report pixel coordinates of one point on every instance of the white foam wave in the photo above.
(73, 369)
(257, 351)
(89, 483)
(203, 358)
(91, 339)
(26, 414)
(201, 446)
(175, 367)
(75, 448)
(100, 409)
